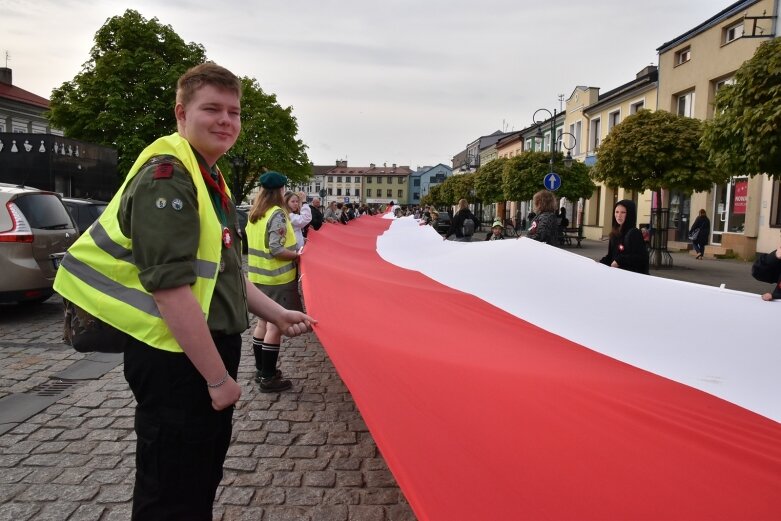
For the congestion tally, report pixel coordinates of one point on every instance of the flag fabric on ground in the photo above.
(512, 380)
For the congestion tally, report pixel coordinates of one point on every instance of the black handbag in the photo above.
(87, 334)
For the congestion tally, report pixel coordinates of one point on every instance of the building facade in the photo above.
(424, 178)
(596, 121)
(692, 68)
(35, 154)
(384, 184)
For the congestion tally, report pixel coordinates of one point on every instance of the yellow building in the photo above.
(591, 116)
(692, 68)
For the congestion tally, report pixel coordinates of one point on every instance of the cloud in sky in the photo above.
(400, 81)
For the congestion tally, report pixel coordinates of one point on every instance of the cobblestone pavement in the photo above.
(299, 455)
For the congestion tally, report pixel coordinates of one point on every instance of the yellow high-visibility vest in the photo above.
(99, 274)
(264, 268)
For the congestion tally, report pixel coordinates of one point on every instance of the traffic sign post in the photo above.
(551, 181)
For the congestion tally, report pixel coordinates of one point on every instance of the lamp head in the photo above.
(568, 159)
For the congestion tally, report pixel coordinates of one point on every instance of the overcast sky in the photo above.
(410, 82)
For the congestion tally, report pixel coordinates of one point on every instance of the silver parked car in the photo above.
(35, 231)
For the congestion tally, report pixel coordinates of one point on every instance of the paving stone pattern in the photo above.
(305, 454)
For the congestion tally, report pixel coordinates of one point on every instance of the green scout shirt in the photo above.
(161, 218)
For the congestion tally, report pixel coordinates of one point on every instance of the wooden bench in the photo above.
(571, 234)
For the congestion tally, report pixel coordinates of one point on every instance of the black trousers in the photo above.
(181, 440)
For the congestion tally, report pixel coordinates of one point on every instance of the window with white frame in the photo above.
(578, 131)
(559, 134)
(596, 129)
(613, 119)
(717, 86)
(732, 32)
(634, 108)
(546, 142)
(685, 104)
(368, 192)
(683, 56)
(528, 144)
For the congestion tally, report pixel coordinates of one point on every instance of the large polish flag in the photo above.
(510, 380)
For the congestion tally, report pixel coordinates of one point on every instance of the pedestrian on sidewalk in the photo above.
(163, 266)
(626, 249)
(767, 268)
(699, 233)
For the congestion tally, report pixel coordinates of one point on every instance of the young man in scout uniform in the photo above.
(163, 265)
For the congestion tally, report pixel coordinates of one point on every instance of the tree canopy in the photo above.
(744, 137)
(523, 176)
(267, 141)
(655, 150)
(454, 188)
(488, 181)
(124, 97)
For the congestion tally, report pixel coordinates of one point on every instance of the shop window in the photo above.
(775, 207)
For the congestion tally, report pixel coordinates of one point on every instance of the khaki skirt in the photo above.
(286, 295)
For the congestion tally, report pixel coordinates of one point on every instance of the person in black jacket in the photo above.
(627, 249)
(702, 226)
(317, 214)
(767, 268)
(545, 226)
(457, 223)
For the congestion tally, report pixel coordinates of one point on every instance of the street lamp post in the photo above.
(567, 157)
(237, 163)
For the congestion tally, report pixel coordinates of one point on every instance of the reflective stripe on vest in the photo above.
(262, 266)
(99, 273)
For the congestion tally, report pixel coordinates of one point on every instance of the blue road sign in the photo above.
(551, 181)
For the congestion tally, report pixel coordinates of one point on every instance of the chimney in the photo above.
(371, 165)
(341, 163)
(394, 166)
(646, 71)
(6, 76)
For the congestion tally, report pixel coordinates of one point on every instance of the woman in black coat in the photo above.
(627, 249)
(457, 223)
(702, 226)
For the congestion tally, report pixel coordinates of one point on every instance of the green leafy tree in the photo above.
(267, 142)
(744, 137)
(523, 176)
(458, 187)
(656, 150)
(488, 181)
(124, 96)
(433, 197)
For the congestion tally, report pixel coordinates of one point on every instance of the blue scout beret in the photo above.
(272, 180)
